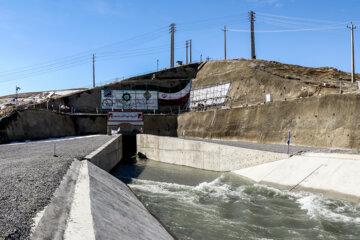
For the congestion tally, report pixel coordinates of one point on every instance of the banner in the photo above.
(209, 96)
(131, 117)
(176, 95)
(177, 98)
(129, 99)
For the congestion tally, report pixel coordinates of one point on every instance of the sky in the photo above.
(48, 45)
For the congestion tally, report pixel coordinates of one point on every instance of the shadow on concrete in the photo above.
(130, 165)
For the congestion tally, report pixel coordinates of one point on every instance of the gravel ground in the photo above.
(278, 148)
(29, 176)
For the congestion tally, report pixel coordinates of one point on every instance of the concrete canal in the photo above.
(199, 204)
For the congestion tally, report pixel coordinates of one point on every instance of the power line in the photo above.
(297, 18)
(287, 30)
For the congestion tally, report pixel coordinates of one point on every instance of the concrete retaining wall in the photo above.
(161, 125)
(334, 175)
(203, 155)
(108, 155)
(42, 124)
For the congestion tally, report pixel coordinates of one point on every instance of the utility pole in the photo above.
(157, 65)
(252, 19)
(352, 53)
(93, 70)
(187, 45)
(190, 51)
(16, 96)
(172, 31)
(224, 42)
(200, 57)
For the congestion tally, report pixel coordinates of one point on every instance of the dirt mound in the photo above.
(251, 80)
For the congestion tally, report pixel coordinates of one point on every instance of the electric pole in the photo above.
(187, 45)
(157, 65)
(224, 42)
(200, 57)
(252, 20)
(172, 31)
(16, 96)
(93, 70)
(352, 53)
(190, 51)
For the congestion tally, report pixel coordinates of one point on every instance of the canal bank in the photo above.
(91, 204)
(332, 172)
(199, 204)
(31, 173)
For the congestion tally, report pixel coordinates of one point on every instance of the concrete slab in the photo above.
(100, 207)
(333, 174)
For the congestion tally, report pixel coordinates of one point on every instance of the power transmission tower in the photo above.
(200, 57)
(252, 20)
(190, 51)
(187, 45)
(224, 41)
(93, 70)
(172, 31)
(352, 53)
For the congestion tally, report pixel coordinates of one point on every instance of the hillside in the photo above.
(256, 78)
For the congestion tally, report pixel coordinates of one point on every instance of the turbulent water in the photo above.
(197, 204)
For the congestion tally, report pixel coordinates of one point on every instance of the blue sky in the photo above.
(48, 45)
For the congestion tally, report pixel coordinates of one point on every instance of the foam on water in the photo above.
(226, 207)
(316, 206)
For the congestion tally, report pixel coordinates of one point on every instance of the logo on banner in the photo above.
(147, 95)
(107, 102)
(164, 95)
(126, 97)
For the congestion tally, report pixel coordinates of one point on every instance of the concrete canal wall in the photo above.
(333, 174)
(92, 204)
(108, 155)
(203, 155)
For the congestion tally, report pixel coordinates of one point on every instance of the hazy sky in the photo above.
(49, 44)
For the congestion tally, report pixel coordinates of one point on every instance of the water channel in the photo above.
(198, 204)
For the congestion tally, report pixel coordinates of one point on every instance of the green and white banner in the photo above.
(129, 99)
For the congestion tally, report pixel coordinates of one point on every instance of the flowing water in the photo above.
(198, 204)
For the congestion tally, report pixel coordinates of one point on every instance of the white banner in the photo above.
(129, 99)
(177, 95)
(134, 118)
(209, 96)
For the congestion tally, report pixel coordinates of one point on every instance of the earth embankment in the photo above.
(330, 121)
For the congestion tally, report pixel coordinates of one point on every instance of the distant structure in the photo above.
(172, 31)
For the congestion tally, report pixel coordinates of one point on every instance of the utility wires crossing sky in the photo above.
(142, 45)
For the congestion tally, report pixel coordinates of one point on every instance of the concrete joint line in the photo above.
(80, 221)
(322, 165)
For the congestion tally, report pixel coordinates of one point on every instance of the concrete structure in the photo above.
(89, 101)
(92, 204)
(108, 155)
(334, 175)
(30, 175)
(41, 124)
(203, 155)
